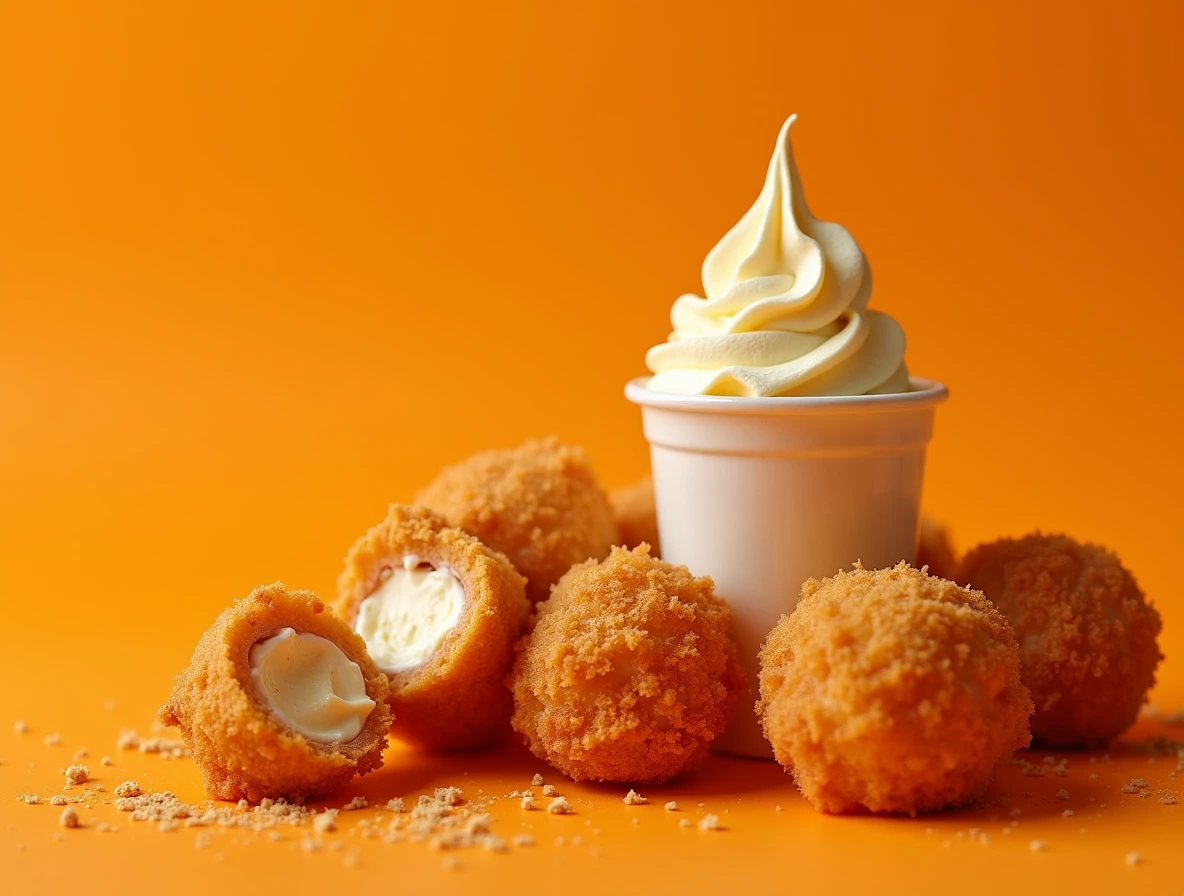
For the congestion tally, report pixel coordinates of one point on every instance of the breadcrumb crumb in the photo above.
(523, 840)
(325, 822)
(684, 822)
(396, 805)
(52, 740)
(128, 789)
(449, 796)
(21, 726)
(358, 802)
(709, 823)
(550, 790)
(537, 780)
(1037, 846)
(77, 774)
(672, 806)
(559, 806)
(68, 818)
(1062, 794)
(633, 798)
(1133, 858)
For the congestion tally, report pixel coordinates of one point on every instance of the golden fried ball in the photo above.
(635, 515)
(892, 691)
(539, 504)
(245, 751)
(630, 671)
(935, 550)
(1086, 633)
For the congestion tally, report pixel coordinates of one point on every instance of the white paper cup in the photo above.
(764, 493)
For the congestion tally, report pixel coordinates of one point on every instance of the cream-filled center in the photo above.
(311, 686)
(408, 616)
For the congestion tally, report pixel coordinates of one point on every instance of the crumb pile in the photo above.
(893, 691)
(1087, 635)
(630, 671)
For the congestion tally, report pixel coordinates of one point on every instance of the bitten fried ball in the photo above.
(440, 613)
(539, 504)
(635, 516)
(630, 671)
(892, 691)
(935, 549)
(1087, 635)
(280, 700)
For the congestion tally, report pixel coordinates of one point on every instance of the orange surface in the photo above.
(265, 267)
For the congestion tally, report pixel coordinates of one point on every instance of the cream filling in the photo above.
(311, 686)
(408, 617)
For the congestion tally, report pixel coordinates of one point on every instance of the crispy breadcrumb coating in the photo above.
(635, 516)
(893, 691)
(539, 504)
(1087, 635)
(457, 699)
(935, 549)
(630, 671)
(244, 752)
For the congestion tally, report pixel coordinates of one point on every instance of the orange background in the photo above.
(266, 267)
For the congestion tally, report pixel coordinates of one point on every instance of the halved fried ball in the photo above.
(892, 691)
(280, 700)
(539, 504)
(1087, 635)
(440, 613)
(630, 671)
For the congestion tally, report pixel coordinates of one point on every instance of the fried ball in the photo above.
(1086, 633)
(635, 516)
(630, 671)
(440, 613)
(935, 550)
(538, 504)
(892, 691)
(252, 727)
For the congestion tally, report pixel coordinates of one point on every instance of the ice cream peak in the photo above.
(311, 685)
(785, 308)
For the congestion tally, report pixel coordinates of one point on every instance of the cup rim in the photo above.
(922, 394)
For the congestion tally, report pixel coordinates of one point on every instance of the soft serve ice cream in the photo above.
(785, 308)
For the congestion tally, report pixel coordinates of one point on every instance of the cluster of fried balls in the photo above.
(894, 690)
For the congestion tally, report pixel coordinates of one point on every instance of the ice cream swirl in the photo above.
(785, 311)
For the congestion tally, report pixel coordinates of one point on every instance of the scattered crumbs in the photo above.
(684, 822)
(1068, 813)
(449, 796)
(52, 740)
(527, 801)
(358, 802)
(29, 799)
(80, 754)
(310, 845)
(1061, 769)
(396, 805)
(523, 840)
(709, 823)
(105, 828)
(325, 822)
(1037, 846)
(1133, 858)
(577, 840)
(1168, 800)
(128, 789)
(169, 825)
(636, 820)
(68, 818)
(701, 805)
(127, 740)
(537, 781)
(550, 790)
(201, 841)
(493, 843)
(57, 800)
(21, 726)
(77, 774)
(671, 806)
(1062, 794)
(633, 798)
(275, 836)
(559, 806)
(776, 808)
(1050, 760)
